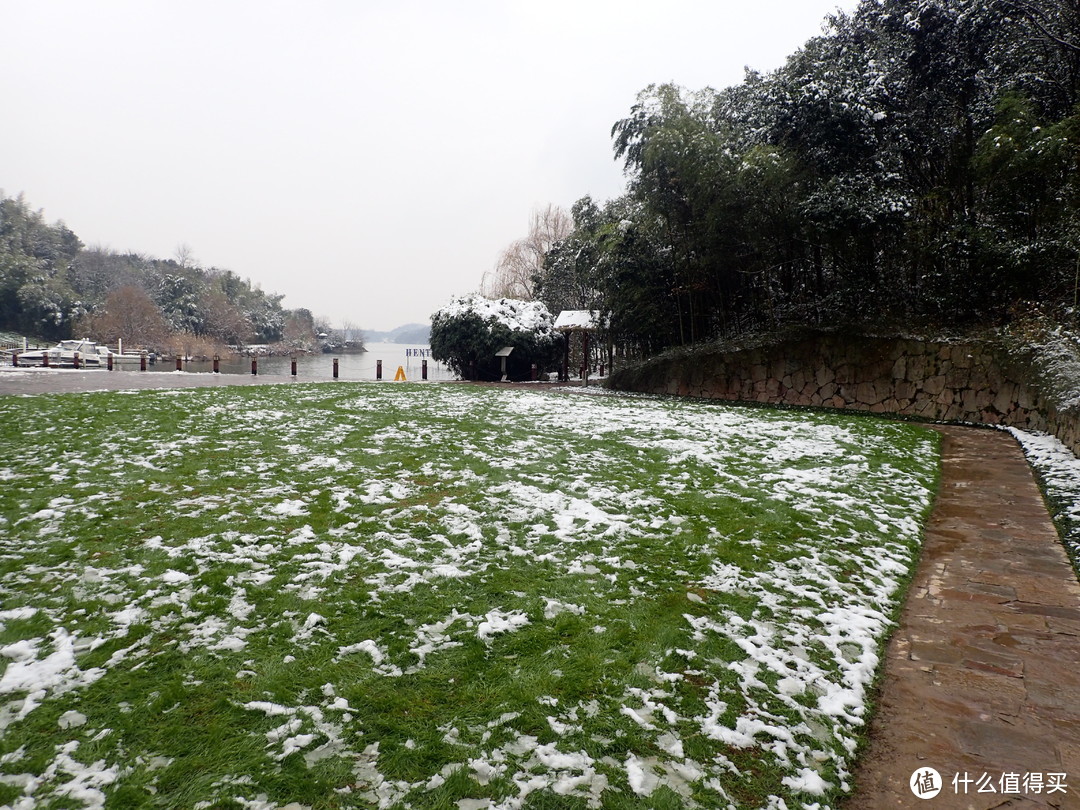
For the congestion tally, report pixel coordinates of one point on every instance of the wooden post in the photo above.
(532, 372)
(15, 359)
(293, 358)
(335, 368)
(585, 356)
(217, 364)
(254, 365)
(45, 359)
(378, 369)
(179, 363)
(109, 361)
(423, 370)
(75, 360)
(565, 376)
(142, 362)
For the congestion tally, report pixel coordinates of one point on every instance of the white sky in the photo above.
(368, 159)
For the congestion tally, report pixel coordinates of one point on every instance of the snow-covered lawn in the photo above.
(1058, 471)
(442, 597)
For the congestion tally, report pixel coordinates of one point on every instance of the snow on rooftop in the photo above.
(579, 319)
(517, 316)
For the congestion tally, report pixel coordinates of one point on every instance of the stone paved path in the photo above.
(983, 674)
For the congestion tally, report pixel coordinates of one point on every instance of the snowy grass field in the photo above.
(1058, 473)
(439, 596)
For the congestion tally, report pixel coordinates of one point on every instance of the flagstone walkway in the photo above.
(982, 678)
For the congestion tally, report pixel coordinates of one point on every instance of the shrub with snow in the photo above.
(466, 333)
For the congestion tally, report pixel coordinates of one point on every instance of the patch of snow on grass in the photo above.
(1059, 471)
(547, 553)
(290, 508)
(497, 622)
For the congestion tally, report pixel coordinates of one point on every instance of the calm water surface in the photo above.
(321, 366)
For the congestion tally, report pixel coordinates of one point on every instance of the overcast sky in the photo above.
(368, 159)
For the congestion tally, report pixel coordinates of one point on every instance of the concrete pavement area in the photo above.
(29, 381)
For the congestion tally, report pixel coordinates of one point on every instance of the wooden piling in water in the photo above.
(335, 368)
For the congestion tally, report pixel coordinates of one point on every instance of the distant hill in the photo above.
(409, 333)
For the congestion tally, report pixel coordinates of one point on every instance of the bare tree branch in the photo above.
(1049, 26)
(514, 272)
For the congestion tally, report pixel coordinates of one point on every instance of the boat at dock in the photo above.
(82, 353)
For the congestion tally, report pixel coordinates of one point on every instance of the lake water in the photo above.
(355, 367)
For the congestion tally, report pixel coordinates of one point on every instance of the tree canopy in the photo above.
(515, 274)
(919, 162)
(468, 331)
(35, 290)
(51, 284)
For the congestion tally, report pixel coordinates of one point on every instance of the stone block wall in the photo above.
(954, 381)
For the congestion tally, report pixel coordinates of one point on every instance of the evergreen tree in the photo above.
(918, 161)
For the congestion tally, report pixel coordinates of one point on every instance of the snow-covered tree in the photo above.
(468, 331)
(857, 182)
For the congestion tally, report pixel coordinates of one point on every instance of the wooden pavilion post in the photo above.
(585, 357)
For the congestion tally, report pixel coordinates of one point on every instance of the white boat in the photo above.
(83, 353)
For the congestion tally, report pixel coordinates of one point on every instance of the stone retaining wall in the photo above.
(956, 381)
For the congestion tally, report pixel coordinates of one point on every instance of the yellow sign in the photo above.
(400, 376)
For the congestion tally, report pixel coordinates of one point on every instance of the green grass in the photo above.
(243, 582)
